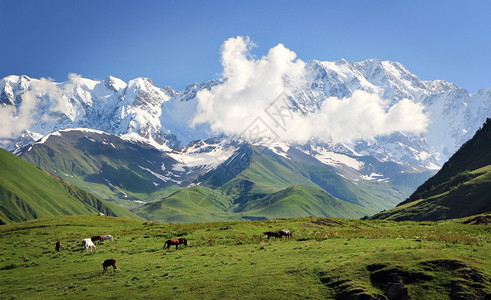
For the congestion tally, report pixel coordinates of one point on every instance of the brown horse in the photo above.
(97, 238)
(108, 263)
(176, 242)
(275, 234)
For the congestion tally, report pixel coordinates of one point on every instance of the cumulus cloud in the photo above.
(251, 84)
(359, 117)
(60, 94)
(9, 127)
(15, 120)
(255, 101)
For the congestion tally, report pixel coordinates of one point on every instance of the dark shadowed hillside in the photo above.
(461, 188)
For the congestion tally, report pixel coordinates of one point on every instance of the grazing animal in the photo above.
(57, 246)
(101, 214)
(286, 232)
(108, 263)
(176, 242)
(275, 234)
(87, 245)
(97, 238)
(107, 237)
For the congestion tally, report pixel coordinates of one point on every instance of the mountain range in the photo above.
(161, 116)
(132, 141)
(131, 173)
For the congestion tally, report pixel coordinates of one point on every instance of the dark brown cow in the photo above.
(176, 242)
(275, 234)
(97, 238)
(107, 263)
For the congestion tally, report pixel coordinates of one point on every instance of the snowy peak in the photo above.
(453, 118)
(191, 90)
(11, 87)
(110, 105)
(205, 153)
(142, 91)
(115, 84)
(391, 80)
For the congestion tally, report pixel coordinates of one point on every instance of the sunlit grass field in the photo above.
(325, 258)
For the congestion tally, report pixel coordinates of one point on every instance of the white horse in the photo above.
(286, 232)
(107, 237)
(87, 245)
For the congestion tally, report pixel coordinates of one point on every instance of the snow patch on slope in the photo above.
(335, 159)
(203, 154)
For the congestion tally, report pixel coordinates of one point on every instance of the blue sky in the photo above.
(178, 42)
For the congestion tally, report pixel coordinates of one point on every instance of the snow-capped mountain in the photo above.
(131, 109)
(454, 113)
(138, 110)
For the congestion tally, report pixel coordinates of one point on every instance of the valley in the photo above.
(218, 180)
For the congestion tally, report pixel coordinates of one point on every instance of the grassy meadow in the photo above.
(325, 258)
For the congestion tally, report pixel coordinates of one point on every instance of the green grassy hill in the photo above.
(255, 184)
(461, 188)
(203, 204)
(302, 201)
(27, 192)
(325, 259)
(196, 204)
(108, 166)
(258, 172)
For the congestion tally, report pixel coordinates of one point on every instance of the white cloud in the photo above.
(251, 84)
(42, 92)
(10, 127)
(361, 116)
(255, 88)
(14, 121)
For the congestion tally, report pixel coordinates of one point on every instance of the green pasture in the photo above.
(325, 258)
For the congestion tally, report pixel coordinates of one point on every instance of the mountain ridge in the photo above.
(27, 192)
(132, 174)
(162, 116)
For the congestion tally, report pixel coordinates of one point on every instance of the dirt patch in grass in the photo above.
(327, 222)
(466, 283)
(348, 289)
(392, 281)
(479, 220)
(454, 278)
(9, 267)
